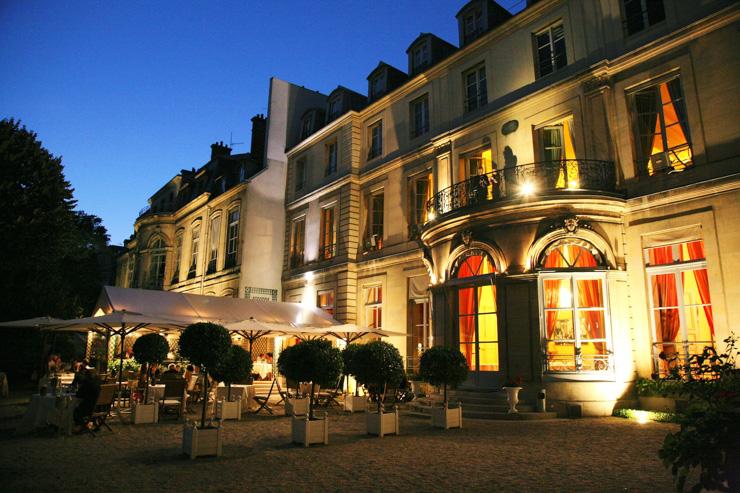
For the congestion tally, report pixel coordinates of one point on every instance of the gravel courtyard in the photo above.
(595, 455)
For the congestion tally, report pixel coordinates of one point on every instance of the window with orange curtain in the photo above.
(661, 128)
(374, 307)
(557, 149)
(477, 312)
(576, 336)
(680, 304)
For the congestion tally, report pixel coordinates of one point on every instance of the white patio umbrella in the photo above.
(36, 322)
(352, 332)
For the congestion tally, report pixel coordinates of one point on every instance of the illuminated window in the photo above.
(477, 169)
(419, 116)
(194, 245)
(550, 45)
(420, 333)
(297, 240)
(574, 309)
(178, 257)
(558, 154)
(680, 305)
(158, 255)
(421, 192)
(325, 301)
(213, 237)
(232, 238)
(661, 129)
(375, 140)
(328, 233)
(375, 217)
(476, 91)
(374, 307)
(477, 317)
(331, 158)
(639, 14)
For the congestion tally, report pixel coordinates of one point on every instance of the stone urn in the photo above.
(512, 397)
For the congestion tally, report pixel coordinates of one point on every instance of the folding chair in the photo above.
(329, 397)
(174, 396)
(263, 400)
(103, 406)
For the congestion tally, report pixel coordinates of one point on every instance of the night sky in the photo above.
(128, 93)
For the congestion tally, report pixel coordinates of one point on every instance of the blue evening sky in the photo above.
(129, 93)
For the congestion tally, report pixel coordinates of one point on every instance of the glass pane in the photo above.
(590, 293)
(692, 250)
(660, 255)
(594, 357)
(561, 356)
(592, 324)
(697, 323)
(559, 324)
(664, 290)
(691, 294)
(488, 356)
(468, 351)
(466, 328)
(487, 299)
(487, 328)
(667, 325)
(466, 301)
(558, 293)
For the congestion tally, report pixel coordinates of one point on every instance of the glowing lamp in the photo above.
(527, 189)
(642, 417)
(431, 216)
(308, 276)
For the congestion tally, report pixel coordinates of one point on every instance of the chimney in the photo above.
(257, 149)
(219, 149)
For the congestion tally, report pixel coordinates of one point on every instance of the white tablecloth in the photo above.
(261, 368)
(238, 392)
(155, 390)
(44, 410)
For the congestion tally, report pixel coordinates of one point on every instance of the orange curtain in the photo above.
(589, 294)
(696, 251)
(466, 322)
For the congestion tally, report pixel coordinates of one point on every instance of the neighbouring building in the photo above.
(555, 196)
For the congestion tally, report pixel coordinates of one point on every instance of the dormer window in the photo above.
(335, 107)
(307, 125)
(420, 57)
(472, 24)
(377, 85)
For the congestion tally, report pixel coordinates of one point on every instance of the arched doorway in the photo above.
(476, 316)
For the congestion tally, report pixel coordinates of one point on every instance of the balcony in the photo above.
(543, 178)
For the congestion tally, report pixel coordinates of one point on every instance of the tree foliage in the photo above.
(378, 365)
(150, 348)
(349, 355)
(442, 366)
(235, 366)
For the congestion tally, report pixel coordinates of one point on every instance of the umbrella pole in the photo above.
(120, 367)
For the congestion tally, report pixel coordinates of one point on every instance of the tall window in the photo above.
(331, 158)
(374, 307)
(472, 25)
(297, 241)
(377, 85)
(476, 91)
(335, 107)
(376, 204)
(194, 246)
(307, 124)
(477, 318)
(375, 140)
(328, 233)
(213, 241)
(300, 174)
(639, 14)
(420, 57)
(325, 301)
(557, 151)
(419, 116)
(421, 192)
(574, 309)
(130, 271)
(158, 255)
(550, 45)
(232, 238)
(420, 334)
(178, 258)
(661, 129)
(680, 305)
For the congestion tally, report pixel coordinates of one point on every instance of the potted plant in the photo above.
(235, 366)
(317, 362)
(352, 401)
(204, 344)
(442, 366)
(149, 349)
(512, 388)
(296, 404)
(379, 366)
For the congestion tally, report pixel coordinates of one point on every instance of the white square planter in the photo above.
(146, 413)
(296, 406)
(445, 417)
(306, 432)
(199, 442)
(229, 410)
(354, 403)
(382, 424)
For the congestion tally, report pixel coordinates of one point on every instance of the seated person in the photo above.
(88, 391)
(189, 372)
(170, 374)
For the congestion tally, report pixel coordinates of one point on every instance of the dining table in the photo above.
(262, 368)
(156, 392)
(241, 392)
(51, 409)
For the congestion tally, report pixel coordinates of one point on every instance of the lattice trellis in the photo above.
(252, 293)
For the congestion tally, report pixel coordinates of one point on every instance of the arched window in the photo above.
(574, 308)
(158, 255)
(477, 317)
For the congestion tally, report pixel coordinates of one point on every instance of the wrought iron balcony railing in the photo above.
(527, 180)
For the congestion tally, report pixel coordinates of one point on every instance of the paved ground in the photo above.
(586, 455)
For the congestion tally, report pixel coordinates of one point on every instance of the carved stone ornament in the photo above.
(571, 224)
(596, 83)
(467, 237)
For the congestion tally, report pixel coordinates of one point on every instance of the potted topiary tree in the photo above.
(149, 349)
(289, 363)
(204, 344)
(321, 364)
(352, 401)
(442, 366)
(379, 368)
(235, 366)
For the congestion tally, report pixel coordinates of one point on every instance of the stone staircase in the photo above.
(480, 404)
